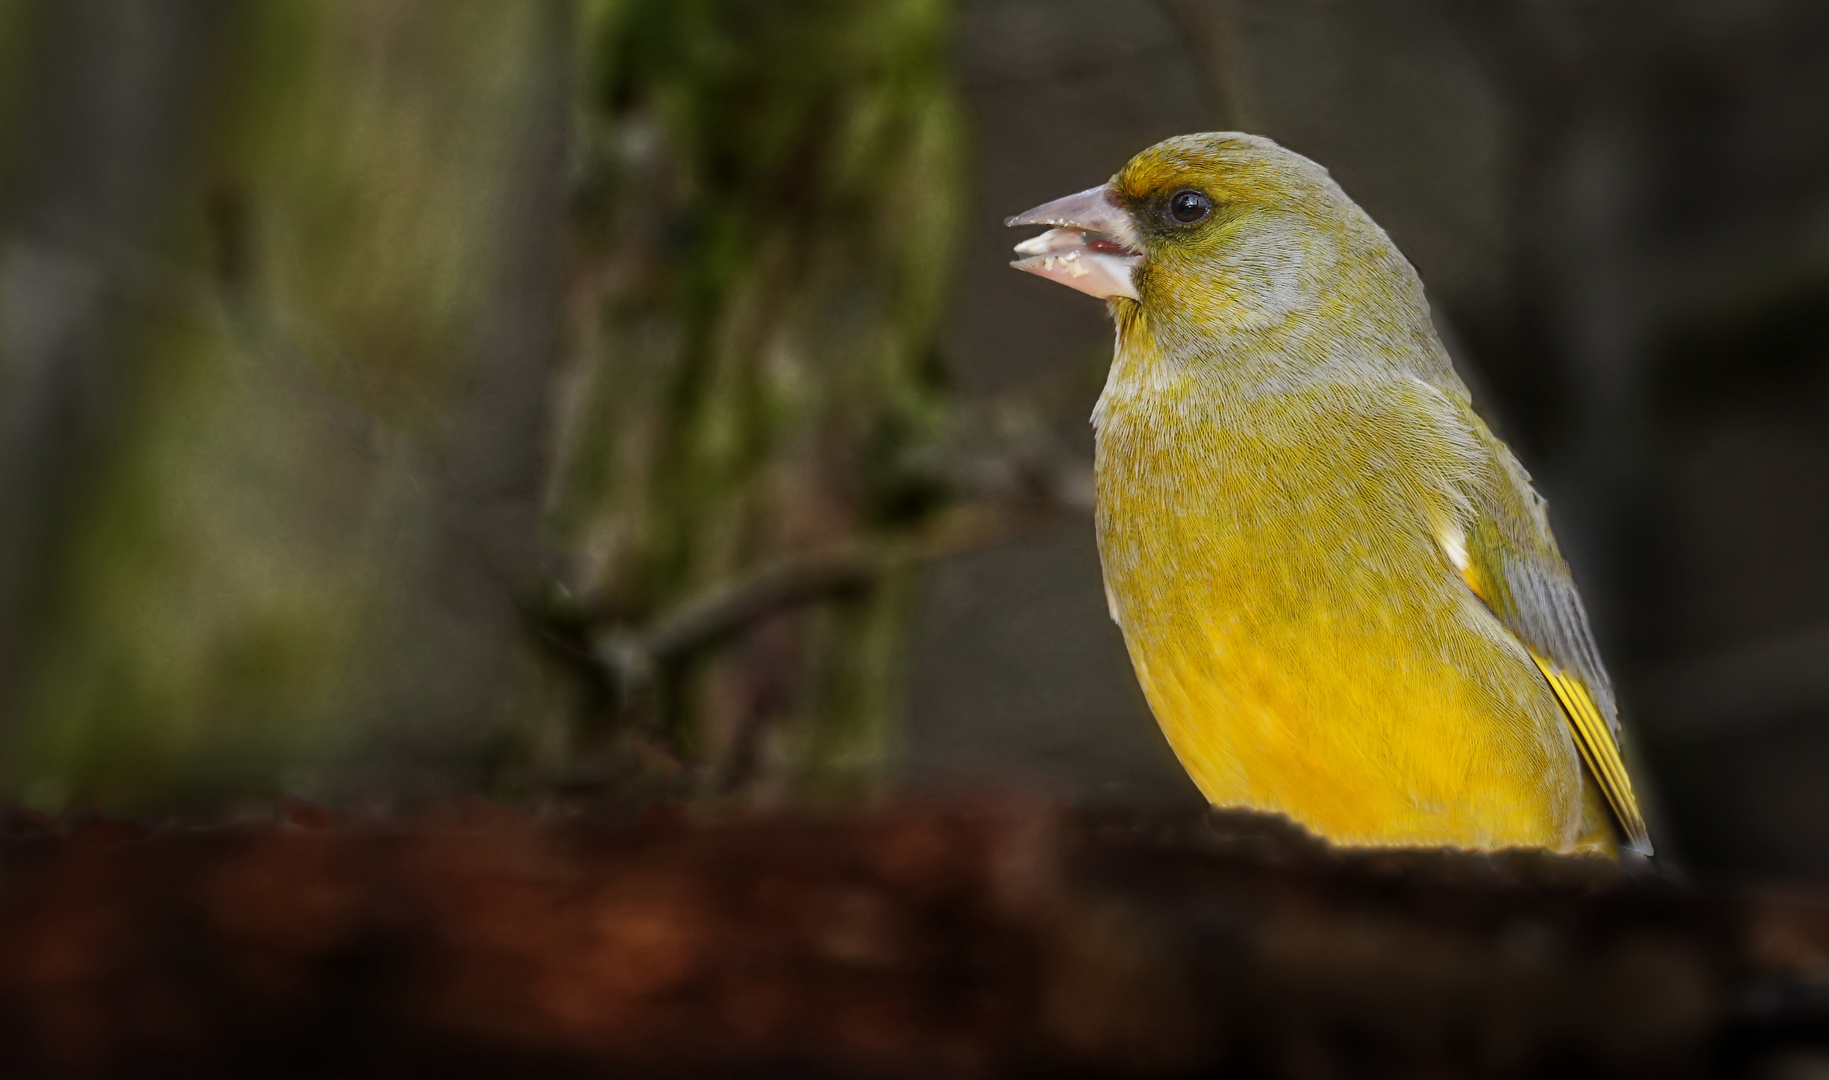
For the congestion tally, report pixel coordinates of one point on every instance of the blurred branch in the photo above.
(996, 940)
(632, 657)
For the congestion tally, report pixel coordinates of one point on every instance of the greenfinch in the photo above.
(1338, 588)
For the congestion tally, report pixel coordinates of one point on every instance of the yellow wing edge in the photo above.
(1599, 750)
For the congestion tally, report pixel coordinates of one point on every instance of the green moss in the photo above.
(774, 189)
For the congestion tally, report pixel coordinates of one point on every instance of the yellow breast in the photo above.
(1300, 636)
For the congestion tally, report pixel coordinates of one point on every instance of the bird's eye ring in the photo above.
(1189, 206)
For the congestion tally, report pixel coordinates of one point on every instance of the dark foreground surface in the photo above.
(985, 940)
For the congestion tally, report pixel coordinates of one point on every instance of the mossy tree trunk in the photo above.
(763, 239)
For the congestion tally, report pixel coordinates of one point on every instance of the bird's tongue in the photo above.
(1092, 249)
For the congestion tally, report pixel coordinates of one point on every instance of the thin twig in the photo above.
(633, 656)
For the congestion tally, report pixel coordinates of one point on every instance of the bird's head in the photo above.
(1227, 230)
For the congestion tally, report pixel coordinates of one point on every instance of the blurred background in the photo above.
(627, 401)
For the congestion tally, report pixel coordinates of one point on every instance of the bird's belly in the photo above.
(1306, 652)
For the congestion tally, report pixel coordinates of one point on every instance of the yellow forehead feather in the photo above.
(1229, 166)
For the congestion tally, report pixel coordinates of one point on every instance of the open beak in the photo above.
(1093, 248)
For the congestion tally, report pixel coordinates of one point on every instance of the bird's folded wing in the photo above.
(1512, 564)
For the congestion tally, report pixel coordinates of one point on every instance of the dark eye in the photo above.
(1189, 206)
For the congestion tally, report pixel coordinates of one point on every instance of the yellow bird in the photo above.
(1338, 588)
